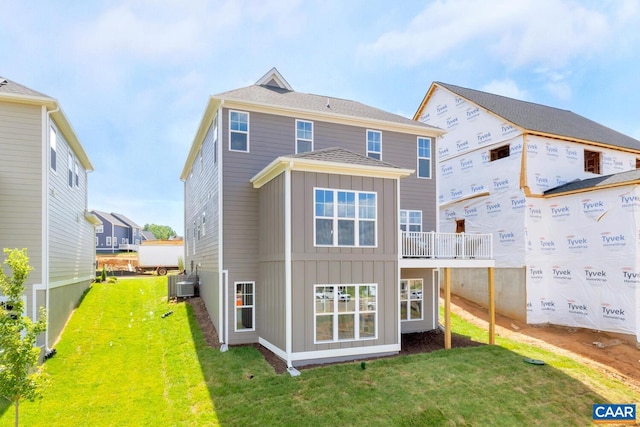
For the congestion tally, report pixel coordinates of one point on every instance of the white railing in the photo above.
(415, 244)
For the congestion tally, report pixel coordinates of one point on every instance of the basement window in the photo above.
(592, 161)
(499, 153)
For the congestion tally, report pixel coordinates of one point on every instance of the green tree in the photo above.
(20, 375)
(160, 231)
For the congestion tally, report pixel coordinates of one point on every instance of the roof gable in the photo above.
(273, 78)
(541, 119)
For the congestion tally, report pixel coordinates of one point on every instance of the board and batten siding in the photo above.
(202, 193)
(271, 286)
(321, 265)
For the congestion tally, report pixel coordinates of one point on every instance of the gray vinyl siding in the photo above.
(71, 236)
(271, 136)
(271, 291)
(21, 182)
(21, 188)
(202, 195)
(320, 265)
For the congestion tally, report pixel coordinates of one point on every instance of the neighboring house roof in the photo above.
(125, 220)
(330, 160)
(148, 235)
(110, 218)
(631, 177)
(272, 94)
(11, 91)
(540, 119)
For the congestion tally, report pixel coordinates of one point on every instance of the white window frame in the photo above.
(75, 173)
(411, 298)
(108, 241)
(204, 223)
(70, 172)
(239, 131)
(360, 307)
(335, 218)
(53, 152)
(243, 304)
(374, 152)
(97, 241)
(300, 139)
(407, 224)
(423, 157)
(100, 228)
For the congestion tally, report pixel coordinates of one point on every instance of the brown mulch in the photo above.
(417, 342)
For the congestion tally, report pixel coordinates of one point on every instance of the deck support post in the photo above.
(492, 307)
(447, 308)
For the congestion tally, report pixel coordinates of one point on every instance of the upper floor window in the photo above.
(410, 220)
(374, 144)
(344, 218)
(75, 173)
(592, 161)
(204, 222)
(304, 136)
(238, 131)
(53, 143)
(424, 157)
(499, 153)
(100, 228)
(70, 173)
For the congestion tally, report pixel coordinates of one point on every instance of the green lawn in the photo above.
(120, 363)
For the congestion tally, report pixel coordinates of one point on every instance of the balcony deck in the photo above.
(431, 249)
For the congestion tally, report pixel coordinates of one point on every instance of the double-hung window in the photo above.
(410, 220)
(374, 144)
(424, 157)
(345, 312)
(70, 173)
(304, 136)
(245, 306)
(411, 299)
(75, 173)
(53, 143)
(345, 218)
(238, 131)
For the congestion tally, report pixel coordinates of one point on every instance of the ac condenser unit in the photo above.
(186, 289)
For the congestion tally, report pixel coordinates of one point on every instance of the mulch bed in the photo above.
(412, 343)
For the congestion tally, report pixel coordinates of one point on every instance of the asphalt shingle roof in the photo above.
(600, 181)
(8, 86)
(544, 119)
(340, 155)
(276, 96)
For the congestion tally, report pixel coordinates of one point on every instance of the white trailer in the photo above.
(160, 256)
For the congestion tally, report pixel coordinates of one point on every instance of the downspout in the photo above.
(223, 277)
(399, 272)
(287, 271)
(45, 219)
(223, 313)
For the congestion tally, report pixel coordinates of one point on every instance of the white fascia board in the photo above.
(209, 113)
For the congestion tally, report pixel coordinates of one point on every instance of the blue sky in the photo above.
(134, 76)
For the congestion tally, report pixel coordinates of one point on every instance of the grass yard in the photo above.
(120, 363)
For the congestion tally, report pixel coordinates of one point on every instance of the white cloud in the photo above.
(507, 88)
(516, 33)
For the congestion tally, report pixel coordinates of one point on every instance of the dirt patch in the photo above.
(614, 358)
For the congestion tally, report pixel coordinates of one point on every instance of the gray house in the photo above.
(117, 233)
(311, 222)
(43, 202)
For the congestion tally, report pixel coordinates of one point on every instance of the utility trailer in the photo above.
(160, 256)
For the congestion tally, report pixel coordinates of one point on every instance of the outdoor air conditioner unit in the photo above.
(186, 289)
